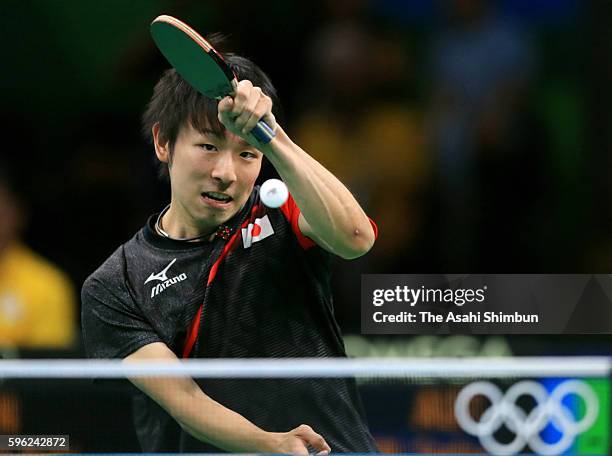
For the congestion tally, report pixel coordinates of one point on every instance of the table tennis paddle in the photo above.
(199, 64)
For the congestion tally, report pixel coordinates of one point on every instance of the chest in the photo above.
(228, 280)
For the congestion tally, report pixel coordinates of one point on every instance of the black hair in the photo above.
(175, 102)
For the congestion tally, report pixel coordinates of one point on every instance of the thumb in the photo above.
(225, 105)
(270, 120)
(313, 439)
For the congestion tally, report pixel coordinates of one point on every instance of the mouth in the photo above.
(216, 199)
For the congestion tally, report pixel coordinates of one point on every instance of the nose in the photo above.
(223, 169)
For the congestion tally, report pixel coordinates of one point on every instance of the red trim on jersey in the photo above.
(192, 334)
(292, 213)
(374, 227)
(194, 328)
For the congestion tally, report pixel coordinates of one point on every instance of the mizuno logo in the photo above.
(162, 276)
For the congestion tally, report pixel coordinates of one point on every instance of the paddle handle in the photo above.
(263, 132)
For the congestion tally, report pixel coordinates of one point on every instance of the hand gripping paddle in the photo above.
(199, 64)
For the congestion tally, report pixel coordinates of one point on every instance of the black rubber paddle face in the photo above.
(193, 58)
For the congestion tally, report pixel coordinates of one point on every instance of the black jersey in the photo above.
(261, 289)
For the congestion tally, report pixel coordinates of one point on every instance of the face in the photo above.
(211, 176)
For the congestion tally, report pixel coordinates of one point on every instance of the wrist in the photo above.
(267, 442)
(282, 153)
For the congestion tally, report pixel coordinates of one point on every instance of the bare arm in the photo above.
(209, 421)
(330, 215)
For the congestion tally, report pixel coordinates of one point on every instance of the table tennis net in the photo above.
(417, 406)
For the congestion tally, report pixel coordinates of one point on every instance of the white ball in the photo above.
(273, 193)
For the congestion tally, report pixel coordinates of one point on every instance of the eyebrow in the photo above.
(209, 132)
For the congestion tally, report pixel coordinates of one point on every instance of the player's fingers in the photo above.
(243, 92)
(313, 439)
(320, 445)
(224, 111)
(261, 109)
(300, 450)
(225, 105)
(251, 107)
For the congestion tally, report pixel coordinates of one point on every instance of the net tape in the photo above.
(595, 367)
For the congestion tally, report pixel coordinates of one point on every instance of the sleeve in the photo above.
(112, 324)
(292, 213)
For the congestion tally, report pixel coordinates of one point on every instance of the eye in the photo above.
(248, 155)
(207, 147)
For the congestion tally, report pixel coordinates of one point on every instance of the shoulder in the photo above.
(116, 276)
(112, 273)
(108, 277)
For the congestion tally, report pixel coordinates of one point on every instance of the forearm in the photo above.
(206, 419)
(329, 213)
(197, 413)
(332, 213)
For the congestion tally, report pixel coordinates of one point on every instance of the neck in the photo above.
(179, 226)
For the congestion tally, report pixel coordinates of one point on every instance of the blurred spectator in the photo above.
(359, 119)
(37, 302)
(487, 143)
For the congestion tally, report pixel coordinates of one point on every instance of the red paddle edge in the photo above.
(197, 38)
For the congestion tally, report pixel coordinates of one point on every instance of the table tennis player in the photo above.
(216, 274)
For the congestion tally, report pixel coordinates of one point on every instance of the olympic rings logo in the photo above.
(504, 410)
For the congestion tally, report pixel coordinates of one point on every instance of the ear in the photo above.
(162, 149)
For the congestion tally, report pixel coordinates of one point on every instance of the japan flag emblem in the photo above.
(260, 229)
